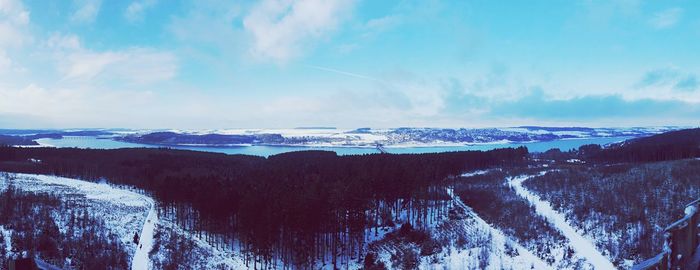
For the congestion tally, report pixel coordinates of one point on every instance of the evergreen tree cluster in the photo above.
(294, 207)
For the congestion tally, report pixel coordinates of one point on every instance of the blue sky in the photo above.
(348, 63)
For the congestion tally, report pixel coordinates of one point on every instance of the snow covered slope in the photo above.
(123, 211)
(461, 241)
(170, 240)
(501, 257)
(583, 246)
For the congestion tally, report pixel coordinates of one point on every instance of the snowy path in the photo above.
(584, 247)
(527, 259)
(141, 260)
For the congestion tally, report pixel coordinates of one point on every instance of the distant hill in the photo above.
(28, 137)
(680, 144)
(16, 140)
(172, 138)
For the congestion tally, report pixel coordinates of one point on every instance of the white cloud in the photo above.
(11, 35)
(14, 19)
(14, 12)
(135, 65)
(5, 61)
(14, 32)
(282, 29)
(83, 87)
(666, 18)
(58, 106)
(61, 42)
(135, 11)
(87, 11)
(378, 25)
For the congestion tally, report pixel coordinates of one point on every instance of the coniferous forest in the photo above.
(313, 209)
(296, 208)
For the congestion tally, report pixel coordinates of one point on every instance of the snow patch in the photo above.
(7, 235)
(475, 173)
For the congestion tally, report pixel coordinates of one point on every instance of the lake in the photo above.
(263, 150)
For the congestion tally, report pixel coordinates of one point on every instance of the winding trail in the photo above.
(141, 260)
(584, 247)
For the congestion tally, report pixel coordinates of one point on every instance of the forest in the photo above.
(491, 197)
(315, 208)
(295, 208)
(673, 145)
(624, 206)
(84, 243)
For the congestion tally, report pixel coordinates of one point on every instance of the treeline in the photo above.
(672, 145)
(294, 207)
(172, 138)
(82, 242)
(16, 140)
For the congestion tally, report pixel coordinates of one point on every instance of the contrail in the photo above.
(355, 75)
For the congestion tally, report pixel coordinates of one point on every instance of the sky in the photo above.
(212, 64)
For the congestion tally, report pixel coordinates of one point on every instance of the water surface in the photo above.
(263, 150)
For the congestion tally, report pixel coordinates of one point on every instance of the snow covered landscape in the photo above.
(140, 208)
(389, 137)
(349, 135)
(333, 137)
(584, 247)
(121, 212)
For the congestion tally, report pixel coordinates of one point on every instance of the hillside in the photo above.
(671, 145)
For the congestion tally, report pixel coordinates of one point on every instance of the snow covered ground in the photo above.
(123, 211)
(126, 212)
(498, 259)
(482, 247)
(475, 173)
(203, 254)
(582, 246)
